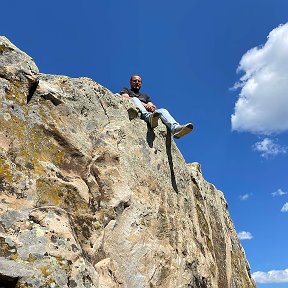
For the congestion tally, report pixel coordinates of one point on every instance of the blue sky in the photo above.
(190, 55)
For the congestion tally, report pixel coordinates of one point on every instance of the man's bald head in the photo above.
(135, 82)
(135, 75)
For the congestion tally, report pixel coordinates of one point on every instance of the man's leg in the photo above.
(167, 119)
(144, 113)
(176, 129)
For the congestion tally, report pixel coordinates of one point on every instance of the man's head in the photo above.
(135, 82)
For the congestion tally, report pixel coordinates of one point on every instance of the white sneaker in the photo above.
(182, 130)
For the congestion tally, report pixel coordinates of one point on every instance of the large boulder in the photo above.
(92, 197)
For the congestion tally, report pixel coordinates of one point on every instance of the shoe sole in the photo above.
(154, 121)
(185, 130)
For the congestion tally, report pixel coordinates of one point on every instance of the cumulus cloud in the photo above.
(273, 276)
(285, 207)
(243, 235)
(244, 197)
(279, 192)
(263, 100)
(267, 147)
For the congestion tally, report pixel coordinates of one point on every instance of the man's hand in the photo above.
(150, 107)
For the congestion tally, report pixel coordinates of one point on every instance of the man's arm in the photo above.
(125, 95)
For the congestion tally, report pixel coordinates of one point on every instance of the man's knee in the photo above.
(162, 110)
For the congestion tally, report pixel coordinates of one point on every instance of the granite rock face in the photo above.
(91, 197)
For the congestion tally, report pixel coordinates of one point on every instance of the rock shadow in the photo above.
(32, 88)
(170, 160)
(150, 136)
(8, 282)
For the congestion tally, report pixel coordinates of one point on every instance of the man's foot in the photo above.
(182, 130)
(153, 119)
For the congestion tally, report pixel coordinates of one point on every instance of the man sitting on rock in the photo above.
(150, 113)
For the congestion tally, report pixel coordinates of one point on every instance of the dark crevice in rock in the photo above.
(4, 49)
(72, 283)
(197, 194)
(121, 207)
(3, 75)
(32, 88)
(150, 136)
(132, 113)
(195, 182)
(170, 160)
(8, 282)
(60, 176)
(55, 101)
(103, 106)
(199, 282)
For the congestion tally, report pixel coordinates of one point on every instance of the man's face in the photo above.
(135, 82)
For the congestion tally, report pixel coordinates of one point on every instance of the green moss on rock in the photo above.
(60, 194)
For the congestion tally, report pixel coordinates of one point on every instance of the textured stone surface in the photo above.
(91, 197)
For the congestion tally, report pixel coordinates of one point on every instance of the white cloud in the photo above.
(285, 207)
(263, 101)
(243, 235)
(279, 192)
(273, 276)
(244, 197)
(267, 147)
